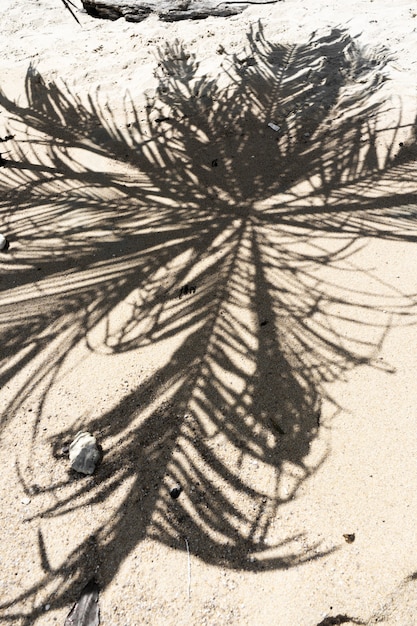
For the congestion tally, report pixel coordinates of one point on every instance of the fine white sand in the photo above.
(281, 394)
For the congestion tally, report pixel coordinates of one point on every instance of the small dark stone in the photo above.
(175, 492)
(187, 290)
(349, 538)
(264, 323)
(214, 163)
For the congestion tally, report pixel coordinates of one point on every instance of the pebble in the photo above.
(3, 242)
(274, 126)
(175, 492)
(25, 500)
(83, 453)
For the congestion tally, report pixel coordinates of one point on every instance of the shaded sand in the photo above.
(212, 269)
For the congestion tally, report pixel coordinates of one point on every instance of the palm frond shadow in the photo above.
(235, 239)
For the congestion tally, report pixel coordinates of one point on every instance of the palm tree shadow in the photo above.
(226, 220)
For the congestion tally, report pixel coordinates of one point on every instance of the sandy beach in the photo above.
(211, 268)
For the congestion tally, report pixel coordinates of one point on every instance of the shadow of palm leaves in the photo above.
(265, 223)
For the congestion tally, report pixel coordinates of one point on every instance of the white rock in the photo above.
(274, 126)
(3, 242)
(25, 500)
(83, 453)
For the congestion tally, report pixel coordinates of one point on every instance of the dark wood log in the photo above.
(167, 10)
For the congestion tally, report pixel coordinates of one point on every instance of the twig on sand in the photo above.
(67, 4)
(189, 569)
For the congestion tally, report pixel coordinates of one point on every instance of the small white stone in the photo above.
(25, 500)
(274, 126)
(47, 607)
(83, 453)
(3, 242)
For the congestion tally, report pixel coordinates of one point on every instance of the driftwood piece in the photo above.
(167, 10)
(85, 612)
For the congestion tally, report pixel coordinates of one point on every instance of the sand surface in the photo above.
(212, 269)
